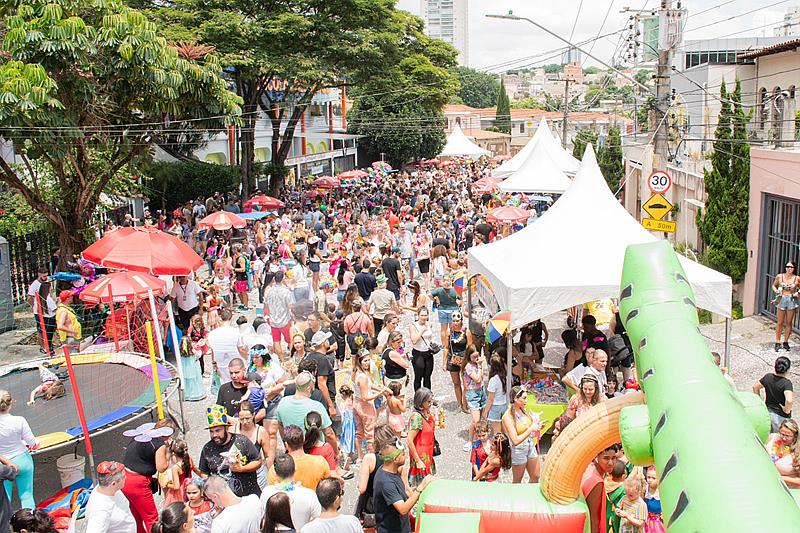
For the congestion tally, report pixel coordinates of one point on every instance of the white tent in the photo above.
(459, 144)
(574, 254)
(543, 135)
(539, 173)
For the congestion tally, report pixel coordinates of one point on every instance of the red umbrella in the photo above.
(326, 182)
(508, 215)
(267, 202)
(144, 249)
(431, 162)
(353, 174)
(222, 220)
(486, 184)
(122, 286)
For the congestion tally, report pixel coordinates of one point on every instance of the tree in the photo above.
(478, 89)
(644, 76)
(610, 159)
(503, 113)
(400, 111)
(87, 87)
(280, 53)
(582, 138)
(591, 70)
(528, 103)
(723, 223)
(553, 68)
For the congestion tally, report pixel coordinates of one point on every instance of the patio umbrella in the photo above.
(486, 184)
(326, 182)
(431, 162)
(508, 215)
(222, 220)
(122, 286)
(497, 326)
(144, 249)
(267, 202)
(353, 174)
(382, 165)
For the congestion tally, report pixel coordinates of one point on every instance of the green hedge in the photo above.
(172, 184)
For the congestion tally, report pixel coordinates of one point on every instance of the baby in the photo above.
(50, 387)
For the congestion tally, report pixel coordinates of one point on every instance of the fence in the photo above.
(28, 252)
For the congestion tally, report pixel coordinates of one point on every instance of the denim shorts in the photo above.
(523, 451)
(476, 399)
(446, 316)
(787, 303)
(271, 408)
(496, 412)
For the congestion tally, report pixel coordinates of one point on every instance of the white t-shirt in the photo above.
(187, 298)
(244, 517)
(305, 505)
(576, 374)
(496, 386)
(109, 514)
(224, 341)
(383, 338)
(300, 275)
(15, 435)
(424, 342)
(341, 524)
(32, 290)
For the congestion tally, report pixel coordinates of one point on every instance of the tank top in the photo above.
(393, 370)
(522, 423)
(538, 333)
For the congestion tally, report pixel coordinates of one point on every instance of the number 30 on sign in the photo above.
(659, 181)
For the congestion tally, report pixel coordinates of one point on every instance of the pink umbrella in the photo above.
(508, 215)
(267, 202)
(122, 286)
(327, 182)
(486, 184)
(222, 220)
(353, 174)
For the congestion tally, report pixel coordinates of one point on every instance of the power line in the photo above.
(575, 23)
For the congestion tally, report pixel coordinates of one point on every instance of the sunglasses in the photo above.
(789, 266)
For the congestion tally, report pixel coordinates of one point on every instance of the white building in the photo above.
(447, 20)
(790, 25)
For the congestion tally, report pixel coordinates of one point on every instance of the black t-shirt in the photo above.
(290, 390)
(140, 457)
(366, 283)
(596, 339)
(391, 267)
(774, 387)
(213, 463)
(388, 490)
(325, 368)
(230, 397)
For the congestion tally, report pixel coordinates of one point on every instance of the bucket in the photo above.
(71, 468)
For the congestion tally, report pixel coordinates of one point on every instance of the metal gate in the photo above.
(780, 237)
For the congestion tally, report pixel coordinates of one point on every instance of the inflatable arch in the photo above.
(705, 440)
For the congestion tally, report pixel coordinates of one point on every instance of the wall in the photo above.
(771, 172)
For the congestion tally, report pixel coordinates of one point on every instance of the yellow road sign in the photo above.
(657, 206)
(666, 226)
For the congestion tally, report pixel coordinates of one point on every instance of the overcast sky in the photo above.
(492, 41)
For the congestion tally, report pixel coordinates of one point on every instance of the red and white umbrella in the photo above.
(327, 182)
(354, 174)
(486, 184)
(267, 202)
(508, 215)
(222, 220)
(122, 286)
(144, 249)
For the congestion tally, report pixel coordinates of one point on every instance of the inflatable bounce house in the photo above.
(705, 440)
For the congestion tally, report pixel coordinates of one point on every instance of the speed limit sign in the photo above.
(659, 181)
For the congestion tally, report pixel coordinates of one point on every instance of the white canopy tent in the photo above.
(563, 159)
(459, 144)
(574, 254)
(539, 173)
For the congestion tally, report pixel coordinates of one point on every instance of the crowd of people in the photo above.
(355, 307)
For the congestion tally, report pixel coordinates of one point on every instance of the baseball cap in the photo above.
(320, 337)
(395, 250)
(64, 295)
(381, 279)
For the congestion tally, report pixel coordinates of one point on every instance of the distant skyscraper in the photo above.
(447, 20)
(790, 24)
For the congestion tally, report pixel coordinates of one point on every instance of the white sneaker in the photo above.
(467, 446)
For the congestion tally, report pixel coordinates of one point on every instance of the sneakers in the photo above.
(777, 346)
(786, 346)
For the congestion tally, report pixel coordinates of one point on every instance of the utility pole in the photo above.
(662, 88)
(566, 113)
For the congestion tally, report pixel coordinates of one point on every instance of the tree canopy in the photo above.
(87, 87)
(503, 111)
(478, 89)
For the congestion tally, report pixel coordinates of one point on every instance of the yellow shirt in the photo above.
(72, 319)
(309, 470)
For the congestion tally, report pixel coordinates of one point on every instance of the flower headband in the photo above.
(258, 351)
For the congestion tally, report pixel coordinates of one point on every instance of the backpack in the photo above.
(618, 350)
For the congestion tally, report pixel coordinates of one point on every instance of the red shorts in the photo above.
(284, 332)
(240, 286)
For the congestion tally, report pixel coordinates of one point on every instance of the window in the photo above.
(522, 127)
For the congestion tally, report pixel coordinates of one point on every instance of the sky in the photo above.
(494, 42)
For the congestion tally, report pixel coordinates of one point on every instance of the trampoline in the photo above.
(115, 388)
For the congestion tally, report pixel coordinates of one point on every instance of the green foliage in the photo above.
(503, 113)
(591, 70)
(610, 159)
(493, 128)
(87, 87)
(723, 223)
(17, 217)
(644, 76)
(173, 184)
(552, 68)
(583, 137)
(529, 103)
(797, 125)
(400, 111)
(643, 114)
(606, 90)
(478, 89)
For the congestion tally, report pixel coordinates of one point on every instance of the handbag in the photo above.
(165, 478)
(455, 360)
(437, 451)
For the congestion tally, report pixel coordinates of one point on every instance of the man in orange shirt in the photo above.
(594, 490)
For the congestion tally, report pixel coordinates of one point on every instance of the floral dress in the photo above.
(423, 442)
